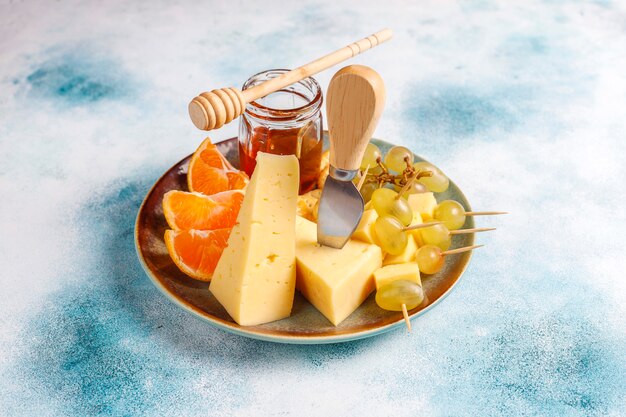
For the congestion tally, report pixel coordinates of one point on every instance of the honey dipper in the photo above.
(211, 110)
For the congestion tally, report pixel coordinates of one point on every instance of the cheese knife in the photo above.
(354, 102)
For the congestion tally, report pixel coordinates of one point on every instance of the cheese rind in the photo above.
(255, 277)
(424, 204)
(335, 281)
(407, 255)
(408, 272)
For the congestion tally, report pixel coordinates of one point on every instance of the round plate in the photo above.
(306, 325)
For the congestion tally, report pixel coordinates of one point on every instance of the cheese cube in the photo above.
(255, 277)
(417, 219)
(407, 255)
(424, 204)
(335, 281)
(407, 271)
(364, 231)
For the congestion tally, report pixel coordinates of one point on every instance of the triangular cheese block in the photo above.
(255, 277)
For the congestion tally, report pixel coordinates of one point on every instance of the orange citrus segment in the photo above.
(184, 211)
(196, 252)
(210, 172)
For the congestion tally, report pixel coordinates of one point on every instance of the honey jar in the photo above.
(286, 122)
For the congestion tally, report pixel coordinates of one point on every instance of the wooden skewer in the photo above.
(407, 185)
(484, 213)
(362, 180)
(460, 250)
(476, 230)
(420, 226)
(212, 110)
(406, 318)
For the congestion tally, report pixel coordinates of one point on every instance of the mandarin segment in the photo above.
(210, 172)
(184, 211)
(196, 252)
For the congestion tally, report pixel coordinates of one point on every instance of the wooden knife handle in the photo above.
(354, 103)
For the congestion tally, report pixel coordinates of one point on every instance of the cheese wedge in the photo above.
(424, 204)
(255, 278)
(408, 272)
(364, 231)
(335, 281)
(407, 255)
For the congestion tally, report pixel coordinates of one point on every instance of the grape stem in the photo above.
(407, 184)
(385, 177)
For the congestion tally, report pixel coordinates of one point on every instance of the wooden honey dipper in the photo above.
(212, 110)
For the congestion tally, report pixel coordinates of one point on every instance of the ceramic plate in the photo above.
(306, 325)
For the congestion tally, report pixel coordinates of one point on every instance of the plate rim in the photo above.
(301, 339)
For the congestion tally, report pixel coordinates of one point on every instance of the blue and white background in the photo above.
(522, 104)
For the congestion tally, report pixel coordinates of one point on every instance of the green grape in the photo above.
(395, 158)
(451, 213)
(386, 203)
(375, 170)
(429, 259)
(382, 200)
(402, 211)
(393, 295)
(389, 235)
(437, 182)
(367, 190)
(437, 235)
(371, 154)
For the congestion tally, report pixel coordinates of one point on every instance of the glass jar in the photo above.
(286, 122)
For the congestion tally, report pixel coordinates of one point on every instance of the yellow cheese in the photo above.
(407, 255)
(364, 231)
(408, 271)
(424, 204)
(255, 277)
(417, 219)
(335, 281)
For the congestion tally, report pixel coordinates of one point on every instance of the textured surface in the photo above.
(523, 106)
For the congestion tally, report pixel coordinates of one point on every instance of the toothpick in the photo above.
(476, 230)
(362, 180)
(420, 226)
(460, 250)
(484, 213)
(407, 185)
(406, 318)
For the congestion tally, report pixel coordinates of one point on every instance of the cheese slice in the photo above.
(335, 281)
(408, 272)
(407, 255)
(364, 231)
(255, 278)
(424, 204)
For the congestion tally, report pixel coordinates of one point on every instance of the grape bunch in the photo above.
(396, 171)
(389, 182)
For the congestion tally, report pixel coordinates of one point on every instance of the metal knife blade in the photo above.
(339, 212)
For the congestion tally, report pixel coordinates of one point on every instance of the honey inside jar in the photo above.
(287, 122)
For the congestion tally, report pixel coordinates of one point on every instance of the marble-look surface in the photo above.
(523, 104)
